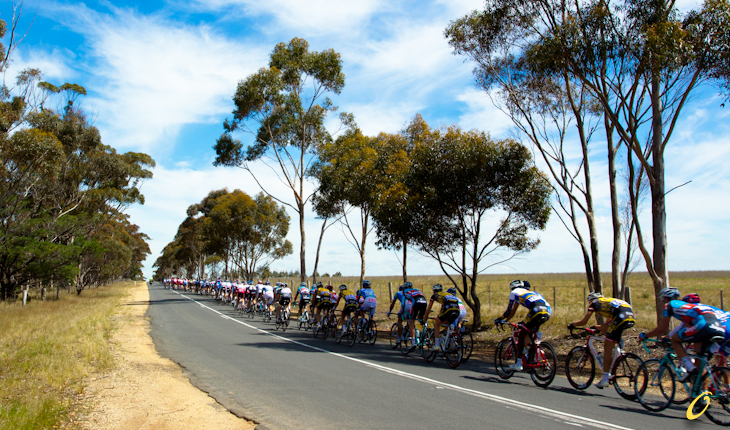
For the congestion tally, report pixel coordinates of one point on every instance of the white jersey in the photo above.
(285, 292)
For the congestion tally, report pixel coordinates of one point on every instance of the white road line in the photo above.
(566, 417)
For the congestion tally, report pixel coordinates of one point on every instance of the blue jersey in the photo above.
(398, 296)
(688, 313)
(413, 295)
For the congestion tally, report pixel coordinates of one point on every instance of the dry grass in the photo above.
(46, 349)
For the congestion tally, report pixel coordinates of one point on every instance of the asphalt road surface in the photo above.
(293, 381)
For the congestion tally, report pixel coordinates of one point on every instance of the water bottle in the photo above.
(599, 358)
(418, 336)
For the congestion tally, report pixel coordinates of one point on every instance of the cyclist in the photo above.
(398, 297)
(267, 295)
(283, 299)
(449, 310)
(324, 302)
(699, 325)
(304, 296)
(417, 304)
(722, 316)
(619, 316)
(315, 300)
(538, 313)
(462, 309)
(368, 302)
(351, 304)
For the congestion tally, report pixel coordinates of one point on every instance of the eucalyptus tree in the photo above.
(478, 200)
(639, 59)
(284, 108)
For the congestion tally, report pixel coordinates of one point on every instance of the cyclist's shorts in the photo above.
(618, 325)
(268, 298)
(706, 326)
(284, 301)
(368, 308)
(324, 305)
(536, 317)
(349, 307)
(418, 311)
(448, 314)
(303, 302)
(462, 315)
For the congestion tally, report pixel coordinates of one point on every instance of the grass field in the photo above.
(564, 292)
(46, 349)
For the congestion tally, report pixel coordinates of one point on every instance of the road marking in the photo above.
(563, 416)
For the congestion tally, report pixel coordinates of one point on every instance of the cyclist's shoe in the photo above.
(687, 375)
(517, 367)
(412, 348)
(603, 383)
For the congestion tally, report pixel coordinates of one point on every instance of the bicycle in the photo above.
(450, 346)
(467, 342)
(580, 365)
(348, 332)
(660, 379)
(283, 320)
(405, 335)
(540, 363)
(367, 330)
(304, 320)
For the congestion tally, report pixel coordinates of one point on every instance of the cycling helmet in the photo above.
(516, 284)
(329, 287)
(343, 287)
(402, 287)
(691, 298)
(437, 288)
(594, 296)
(451, 290)
(303, 284)
(407, 285)
(319, 285)
(669, 293)
(366, 284)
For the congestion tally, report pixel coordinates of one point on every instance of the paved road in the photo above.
(291, 380)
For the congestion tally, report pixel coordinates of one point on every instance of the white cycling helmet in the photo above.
(594, 296)
(516, 284)
(669, 293)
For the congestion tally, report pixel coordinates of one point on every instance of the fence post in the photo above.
(584, 299)
(554, 302)
(390, 291)
(489, 289)
(628, 294)
(722, 302)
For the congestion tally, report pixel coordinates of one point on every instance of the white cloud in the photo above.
(153, 76)
(481, 114)
(54, 64)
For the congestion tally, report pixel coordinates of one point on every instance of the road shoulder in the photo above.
(145, 390)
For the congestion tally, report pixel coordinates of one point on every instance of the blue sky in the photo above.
(161, 74)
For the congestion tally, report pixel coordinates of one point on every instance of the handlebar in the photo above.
(665, 342)
(590, 330)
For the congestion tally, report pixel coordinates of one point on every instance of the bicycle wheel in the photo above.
(658, 381)
(351, 334)
(546, 365)
(624, 372)
(339, 334)
(719, 410)
(453, 350)
(325, 328)
(503, 355)
(373, 334)
(428, 350)
(580, 367)
(467, 343)
(394, 336)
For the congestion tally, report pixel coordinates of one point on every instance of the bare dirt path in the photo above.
(146, 391)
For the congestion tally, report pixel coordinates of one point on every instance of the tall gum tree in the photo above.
(284, 108)
(639, 59)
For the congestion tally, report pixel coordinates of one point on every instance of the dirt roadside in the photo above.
(146, 391)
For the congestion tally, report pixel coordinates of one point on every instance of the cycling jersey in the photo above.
(539, 308)
(620, 312)
(303, 292)
(699, 322)
(368, 301)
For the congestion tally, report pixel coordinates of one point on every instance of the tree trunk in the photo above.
(43, 292)
(658, 210)
(591, 219)
(362, 247)
(302, 247)
(319, 247)
(615, 216)
(25, 295)
(405, 255)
